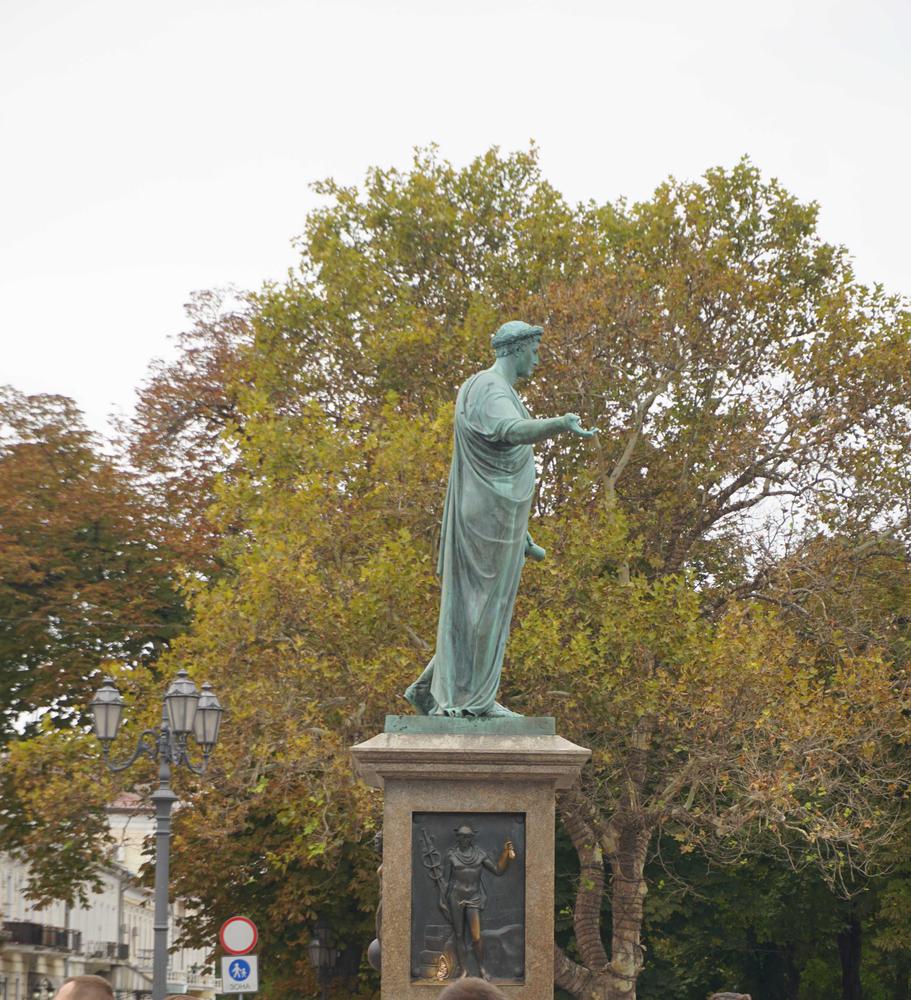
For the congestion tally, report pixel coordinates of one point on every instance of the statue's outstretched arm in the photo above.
(532, 431)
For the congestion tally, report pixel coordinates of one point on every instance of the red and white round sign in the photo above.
(238, 935)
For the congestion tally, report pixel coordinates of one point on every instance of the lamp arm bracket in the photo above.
(195, 768)
(142, 749)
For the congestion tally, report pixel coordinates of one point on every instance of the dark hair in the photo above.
(90, 988)
(471, 989)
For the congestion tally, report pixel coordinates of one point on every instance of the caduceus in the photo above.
(433, 862)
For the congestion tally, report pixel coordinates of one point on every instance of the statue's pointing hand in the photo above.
(509, 850)
(574, 425)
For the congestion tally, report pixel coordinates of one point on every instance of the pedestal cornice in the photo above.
(463, 757)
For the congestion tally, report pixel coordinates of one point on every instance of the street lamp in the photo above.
(208, 719)
(107, 707)
(43, 990)
(184, 711)
(323, 954)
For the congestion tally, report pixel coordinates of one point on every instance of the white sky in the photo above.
(151, 149)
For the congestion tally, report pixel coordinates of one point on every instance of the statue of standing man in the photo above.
(485, 540)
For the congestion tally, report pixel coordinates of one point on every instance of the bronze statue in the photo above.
(485, 540)
(463, 895)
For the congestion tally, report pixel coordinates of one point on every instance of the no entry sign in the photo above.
(238, 935)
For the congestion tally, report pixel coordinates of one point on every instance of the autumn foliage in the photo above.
(751, 399)
(722, 614)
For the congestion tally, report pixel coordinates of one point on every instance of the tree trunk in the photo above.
(614, 980)
(624, 841)
(584, 981)
(589, 895)
(596, 977)
(627, 858)
(791, 972)
(849, 941)
(627, 902)
(572, 977)
(901, 988)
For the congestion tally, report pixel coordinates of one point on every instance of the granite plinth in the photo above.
(461, 772)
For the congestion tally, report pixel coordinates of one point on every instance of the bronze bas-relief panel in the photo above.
(468, 896)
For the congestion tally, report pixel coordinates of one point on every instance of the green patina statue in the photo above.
(485, 540)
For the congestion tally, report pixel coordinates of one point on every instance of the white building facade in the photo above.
(112, 936)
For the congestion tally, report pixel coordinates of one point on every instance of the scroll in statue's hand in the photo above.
(574, 425)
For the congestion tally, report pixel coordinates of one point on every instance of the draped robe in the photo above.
(482, 550)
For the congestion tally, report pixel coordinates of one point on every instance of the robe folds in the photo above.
(482, 550)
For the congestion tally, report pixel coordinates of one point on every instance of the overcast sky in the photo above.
(151, 149)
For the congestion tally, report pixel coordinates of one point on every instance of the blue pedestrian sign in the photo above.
(239, 975)
(239, 970)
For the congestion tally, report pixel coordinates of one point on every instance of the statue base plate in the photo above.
(494, 725)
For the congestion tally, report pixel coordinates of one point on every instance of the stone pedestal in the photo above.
(497, 778)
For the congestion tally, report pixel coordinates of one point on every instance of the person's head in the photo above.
(85, 988)
(519, 342)
(471, 989)
(464, 836)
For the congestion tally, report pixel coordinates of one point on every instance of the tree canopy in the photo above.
(750, 478)
(722, 615)
(87, 582)
(83, 575)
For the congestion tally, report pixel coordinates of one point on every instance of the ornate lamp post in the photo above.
(184, 711)
(323, 954)
(43, 989)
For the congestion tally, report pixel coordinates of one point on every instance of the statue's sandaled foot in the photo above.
(420, 698)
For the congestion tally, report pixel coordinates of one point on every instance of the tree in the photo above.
(96, 543)
(756, 927)
(175, 441)
(751, 357)
(82, 577)
(84, 582)
(752, 402)
(299, 630)
(760, 928)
